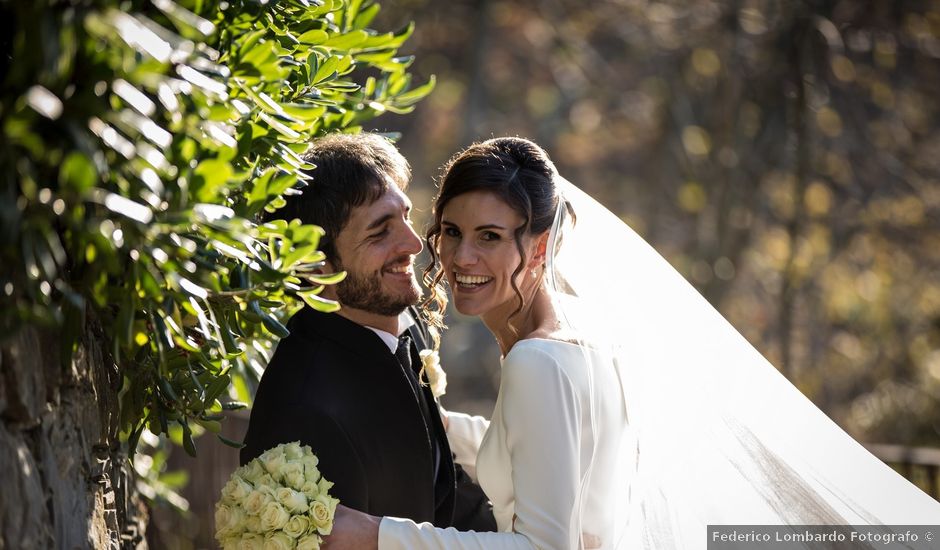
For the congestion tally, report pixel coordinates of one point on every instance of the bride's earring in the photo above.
(533, 273)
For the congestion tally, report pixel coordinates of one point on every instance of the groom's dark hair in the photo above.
(349, 170)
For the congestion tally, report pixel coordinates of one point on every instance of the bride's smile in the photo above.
(470, 282)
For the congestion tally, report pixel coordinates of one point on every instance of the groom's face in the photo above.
(376, 248)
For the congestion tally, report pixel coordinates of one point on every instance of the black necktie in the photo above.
(403, 354)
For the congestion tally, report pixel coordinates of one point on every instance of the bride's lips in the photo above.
(468, 283)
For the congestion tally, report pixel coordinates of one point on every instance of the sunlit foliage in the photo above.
(141, 139)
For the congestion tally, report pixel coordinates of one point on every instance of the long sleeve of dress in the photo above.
(534, 447)
(465, 433)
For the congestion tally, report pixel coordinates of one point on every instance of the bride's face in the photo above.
(478, 252)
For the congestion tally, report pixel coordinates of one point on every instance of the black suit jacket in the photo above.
(333, 384)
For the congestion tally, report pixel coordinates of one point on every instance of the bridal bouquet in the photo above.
(277, 501)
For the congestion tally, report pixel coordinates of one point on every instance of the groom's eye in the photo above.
(379, 235)
(490, 236)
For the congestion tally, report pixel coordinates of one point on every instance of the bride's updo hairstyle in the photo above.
(514, 169)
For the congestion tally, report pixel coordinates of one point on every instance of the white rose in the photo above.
(253, 525)
(310, 542)
(266, 481)
(331, 503)
(324, 486)
(230, 543)
(251, 541)
(251, 472)
(228, 520)
(295, 480)
(235, 490)
(292, 466)
(273, 517)
(310, 489)
(321, 513)
(292, 500)
(293, 450)
(310, 461)
(273, 460)
(311, 472)
(255, 501)
(293, 474)
(278, 541)
(297, 526)
(437, 378)
(222, 514)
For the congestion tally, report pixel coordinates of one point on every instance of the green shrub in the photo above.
(141, 139)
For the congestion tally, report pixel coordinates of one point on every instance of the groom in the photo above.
(346, 383)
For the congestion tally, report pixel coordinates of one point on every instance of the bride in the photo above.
(630, 414)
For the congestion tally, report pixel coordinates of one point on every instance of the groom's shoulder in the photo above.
(318, 345)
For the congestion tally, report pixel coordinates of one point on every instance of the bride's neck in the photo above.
(535, 314)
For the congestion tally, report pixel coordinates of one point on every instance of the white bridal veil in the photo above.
(715, 434)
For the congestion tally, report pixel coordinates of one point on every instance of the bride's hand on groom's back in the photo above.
(352, 530)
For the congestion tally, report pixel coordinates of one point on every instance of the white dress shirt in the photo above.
(405, 321)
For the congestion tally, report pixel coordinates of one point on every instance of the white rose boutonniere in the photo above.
(437, 378)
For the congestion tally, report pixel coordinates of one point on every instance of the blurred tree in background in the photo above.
(783, 155)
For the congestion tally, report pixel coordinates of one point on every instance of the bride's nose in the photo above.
(464, 255)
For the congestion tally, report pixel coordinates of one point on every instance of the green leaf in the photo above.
(340, 86)
(280, 127)
(248, 41)
(303, 111)
(365, 17)
(318, 303)
(177, 479)
(188, 444)
(214, 174)
(167, 389)
(413, 96)
(229, 442)
(216, 387)
(327, 69)
(352, 10)
(77, 173)
(329, 279)
(275, 326)
(313, 37)
(133, 438)
(347, 41)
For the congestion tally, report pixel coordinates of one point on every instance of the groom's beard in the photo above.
(364, 292)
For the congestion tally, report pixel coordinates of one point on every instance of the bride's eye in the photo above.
(489, 236)
(451, 232)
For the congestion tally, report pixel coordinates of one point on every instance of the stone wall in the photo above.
(66, 484)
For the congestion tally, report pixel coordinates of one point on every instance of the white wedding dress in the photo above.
(665, 420)
(531, 458)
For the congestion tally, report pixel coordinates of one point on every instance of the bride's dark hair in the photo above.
(514, 169)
